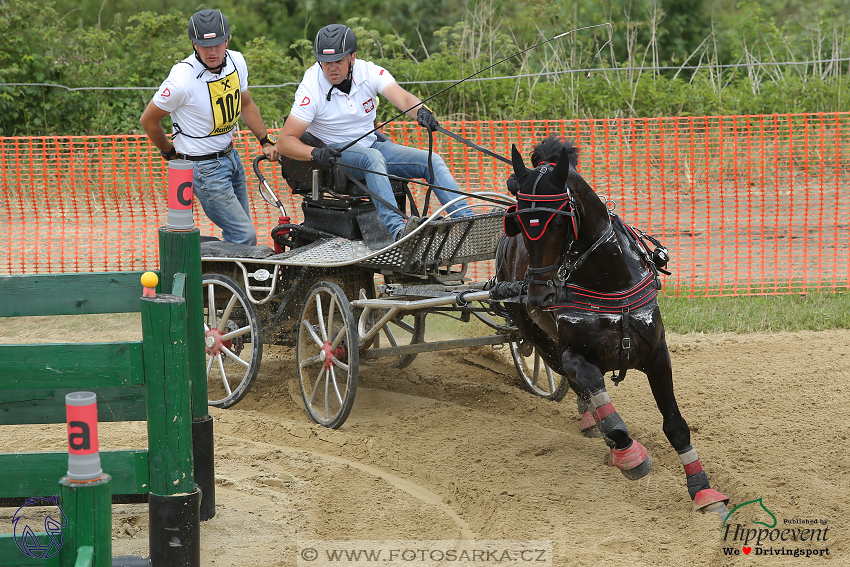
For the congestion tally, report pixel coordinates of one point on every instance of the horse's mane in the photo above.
(550, 150)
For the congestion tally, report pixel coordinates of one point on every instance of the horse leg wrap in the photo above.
(699, 489)
(588, 425)
(605, 415)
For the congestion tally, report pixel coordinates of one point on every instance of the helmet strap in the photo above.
(345, 85)
(214, 70)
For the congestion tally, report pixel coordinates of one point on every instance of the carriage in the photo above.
(341, 291)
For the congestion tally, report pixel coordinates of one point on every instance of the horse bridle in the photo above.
(563, 268)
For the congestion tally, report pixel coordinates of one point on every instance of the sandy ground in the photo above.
(452, 447)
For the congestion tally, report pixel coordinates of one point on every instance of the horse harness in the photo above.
(570, 296)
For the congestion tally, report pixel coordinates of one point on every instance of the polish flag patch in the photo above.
(534, 222)
(328, 51)
(208, 35)
(305, 101)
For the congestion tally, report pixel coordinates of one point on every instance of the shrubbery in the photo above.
(41, 47)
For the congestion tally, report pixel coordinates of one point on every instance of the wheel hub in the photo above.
(213, 342)
(329, 354)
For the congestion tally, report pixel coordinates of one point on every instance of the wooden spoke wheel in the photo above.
(535, 374)
(233, 344)
(327, 355)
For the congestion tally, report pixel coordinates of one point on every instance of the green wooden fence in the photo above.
(132, 381)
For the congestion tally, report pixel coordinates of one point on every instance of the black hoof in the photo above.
(639, 471)
(592, 432)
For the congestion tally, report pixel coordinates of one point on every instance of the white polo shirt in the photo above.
(345, 117)
(205, 106)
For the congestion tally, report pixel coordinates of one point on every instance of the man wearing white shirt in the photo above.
(337, 102)
(206, 94)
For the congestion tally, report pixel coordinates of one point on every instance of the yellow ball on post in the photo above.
(149, 281)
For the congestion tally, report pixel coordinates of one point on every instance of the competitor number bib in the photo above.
(226, 101)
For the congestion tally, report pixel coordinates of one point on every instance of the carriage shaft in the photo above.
(452, 299)
(435, 346)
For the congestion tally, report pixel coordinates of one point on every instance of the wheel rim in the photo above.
(232, 341)
(538, 377)
(327, 363)
(405, 329)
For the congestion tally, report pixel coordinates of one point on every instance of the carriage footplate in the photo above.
(218, 249)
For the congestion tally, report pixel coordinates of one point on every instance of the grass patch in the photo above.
(756, 314)
(742, 314)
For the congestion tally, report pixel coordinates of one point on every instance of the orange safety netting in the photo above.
(745, 204)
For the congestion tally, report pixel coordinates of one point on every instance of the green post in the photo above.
(174, 503)
(169, 413)
(88, 508)
(180, 253)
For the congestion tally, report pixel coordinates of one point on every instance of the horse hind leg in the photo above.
(627, 454)
(660, 374)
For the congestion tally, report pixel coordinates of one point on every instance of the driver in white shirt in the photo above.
(337, 102)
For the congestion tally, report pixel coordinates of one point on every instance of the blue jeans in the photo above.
(223, 193)
(403, 161)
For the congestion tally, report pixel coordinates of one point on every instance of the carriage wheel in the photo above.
(406, 329)
(537, 376)
(327, 355)
(233, 344)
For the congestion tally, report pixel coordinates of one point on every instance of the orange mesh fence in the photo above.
(745, 204)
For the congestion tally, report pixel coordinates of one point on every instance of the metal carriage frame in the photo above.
(320, 297)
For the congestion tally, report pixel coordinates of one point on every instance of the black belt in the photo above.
(216, 155)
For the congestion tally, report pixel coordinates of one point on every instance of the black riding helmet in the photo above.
(208, 28)
(334, 42)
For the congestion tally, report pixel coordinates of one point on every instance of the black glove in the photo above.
(513, 184)
(326, 156)
(426, 119)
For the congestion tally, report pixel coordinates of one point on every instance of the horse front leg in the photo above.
(626, 454)
(660, 374)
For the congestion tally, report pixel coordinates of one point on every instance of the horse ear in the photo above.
(519, 165)
(562, 170)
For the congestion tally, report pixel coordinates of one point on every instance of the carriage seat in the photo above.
(299, 175)
(343, 208)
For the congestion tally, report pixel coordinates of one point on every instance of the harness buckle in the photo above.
(627, 343)
(562, 275)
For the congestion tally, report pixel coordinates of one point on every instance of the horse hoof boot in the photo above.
(708, 496)
(633, 461)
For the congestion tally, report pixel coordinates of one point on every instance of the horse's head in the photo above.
(545, 213)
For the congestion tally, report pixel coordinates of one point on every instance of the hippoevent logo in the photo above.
(797, 537)
(27, 540)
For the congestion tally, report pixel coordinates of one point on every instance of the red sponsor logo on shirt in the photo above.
(166, 93)
(369, 106)
(305, 101)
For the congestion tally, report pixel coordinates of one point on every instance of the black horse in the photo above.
(590, 305)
